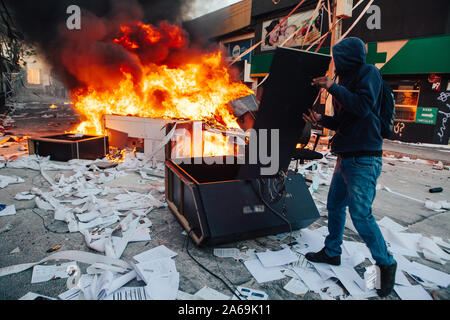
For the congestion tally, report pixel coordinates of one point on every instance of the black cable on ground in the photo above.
(273, 210)
(46, 228)
(203, 267)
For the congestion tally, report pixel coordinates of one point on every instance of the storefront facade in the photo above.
(413, 57)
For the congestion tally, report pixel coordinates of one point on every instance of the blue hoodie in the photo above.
(357, 101)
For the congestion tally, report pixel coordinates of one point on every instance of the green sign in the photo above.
(426, 115)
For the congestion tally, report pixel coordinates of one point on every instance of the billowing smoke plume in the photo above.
(71, 51)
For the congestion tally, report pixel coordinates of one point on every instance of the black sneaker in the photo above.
(322, 257)
(387, 281)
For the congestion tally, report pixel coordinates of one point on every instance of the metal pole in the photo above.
(335, 35)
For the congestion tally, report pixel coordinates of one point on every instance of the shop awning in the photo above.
(414, 56)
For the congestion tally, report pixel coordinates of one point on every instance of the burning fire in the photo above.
(172, 81)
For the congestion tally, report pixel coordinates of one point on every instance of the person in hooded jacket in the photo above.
(358, 145)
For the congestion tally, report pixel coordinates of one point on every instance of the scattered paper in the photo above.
(207, 293)
(6, 180)
(262, 274)
(412, 293)
(129, 293)
(297, 287)
(391, 225)
(35, 296)
(163, 286)
(155, 253)
(8, 211)
(46, 273)
(276, 258)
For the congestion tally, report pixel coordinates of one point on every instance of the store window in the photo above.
(406, 93)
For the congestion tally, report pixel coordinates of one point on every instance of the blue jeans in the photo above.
(354, 186)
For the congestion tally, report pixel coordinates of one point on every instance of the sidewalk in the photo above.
(418, 151)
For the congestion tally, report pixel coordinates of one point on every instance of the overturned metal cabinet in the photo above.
(215, 207)
(65, 147)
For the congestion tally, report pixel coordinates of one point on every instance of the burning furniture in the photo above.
(65, 147)
(219, 203)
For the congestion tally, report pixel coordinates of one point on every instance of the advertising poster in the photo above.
(281, 33)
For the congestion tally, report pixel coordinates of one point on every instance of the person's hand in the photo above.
(322, 82)
(313, 117)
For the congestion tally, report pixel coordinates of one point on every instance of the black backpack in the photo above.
(387, 107)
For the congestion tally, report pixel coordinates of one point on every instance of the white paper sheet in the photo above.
(6, 180)
(309, 241)
(181, 295)
(155, 253)
(429, 274)
(207, 293)
(311, 278)
(427, 244)
(412, 293)
(35, 296)
(147, 270)
(46, 273)
(80, 256)
(324, 270)
(129, 293)
(391, 225)
(8, 211)
(262, 274)
(350, 279)
(296, 287)
(276, 258)
(163, 286)
(71, 294)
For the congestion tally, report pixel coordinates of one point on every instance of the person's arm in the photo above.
(363, 100)
(329, 122)
(315, 119)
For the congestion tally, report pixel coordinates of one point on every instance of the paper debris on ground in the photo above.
(6, 180)
(262, 274)
(149, 269)
(412, 293)
(24, 196)
(155, 253)
(16, 250)
(249, 294)
(129, 293)
(7, 210)
(311, 278)
(35, 296)
(426, 273)
(227, 253)
(276, 258)
(181, 295)
(163, 286)
(46, 273)
(207, 293)
(296, 287)
(391, 225)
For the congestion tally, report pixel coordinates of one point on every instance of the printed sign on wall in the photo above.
(426, 115)
(281, 33)
(235, 49)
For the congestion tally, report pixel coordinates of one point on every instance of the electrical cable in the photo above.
(203, 267)
(47, 228)
(281, 216)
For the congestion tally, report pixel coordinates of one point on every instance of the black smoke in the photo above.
(44, 25)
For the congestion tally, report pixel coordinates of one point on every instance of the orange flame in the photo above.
(198, 88)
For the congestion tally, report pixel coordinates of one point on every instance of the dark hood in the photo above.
(348, 55)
